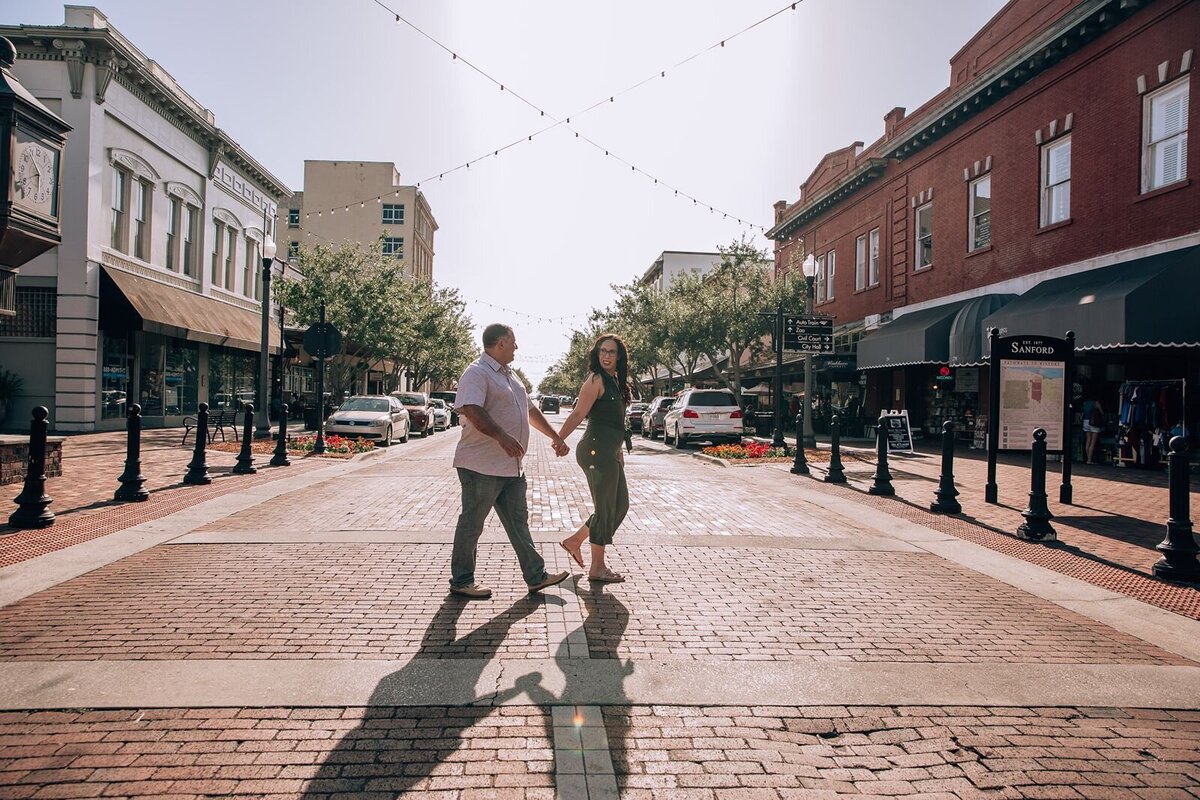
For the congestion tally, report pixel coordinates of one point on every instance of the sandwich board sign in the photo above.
(897, 431)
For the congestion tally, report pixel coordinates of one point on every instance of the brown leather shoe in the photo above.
(548, 581)
(472, 590)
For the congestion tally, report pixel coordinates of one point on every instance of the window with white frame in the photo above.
(191, 240)
(230, 257)
(293, 251)
(873, 258)
(141, 220)
(173, 219)
(1056, 181)
(215, 271)
(980, 235)
(860, 262)
(830, 273)
(393, 214)
(820, 279)
(924, 229)
(393, 246)
(1164, 156)
(120, 206)
(249, 279)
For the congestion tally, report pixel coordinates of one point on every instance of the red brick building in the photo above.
(1046, 188)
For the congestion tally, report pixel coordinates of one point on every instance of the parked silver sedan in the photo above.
(370, 417)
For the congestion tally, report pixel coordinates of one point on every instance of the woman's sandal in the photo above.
(576, 554)
(607, 577)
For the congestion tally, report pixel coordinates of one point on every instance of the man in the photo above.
(496, 414)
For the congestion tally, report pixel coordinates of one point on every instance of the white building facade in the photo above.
(154, 294)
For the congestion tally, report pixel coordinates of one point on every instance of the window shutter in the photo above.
(1059, 168)
(1170, 114)
(1171, 167)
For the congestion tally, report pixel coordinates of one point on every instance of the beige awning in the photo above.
(184, 314)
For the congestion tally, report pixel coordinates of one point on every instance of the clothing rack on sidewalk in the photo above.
(1151, 412)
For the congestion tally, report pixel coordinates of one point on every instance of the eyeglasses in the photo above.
(608, 351)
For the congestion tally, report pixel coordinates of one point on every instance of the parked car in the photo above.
(449, 397)
(549, 404)
(370, 417)
(652, 417)
(441, 414)
(420, 412)
(633, 416)
(703, 414)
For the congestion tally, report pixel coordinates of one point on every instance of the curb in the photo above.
(720, 462)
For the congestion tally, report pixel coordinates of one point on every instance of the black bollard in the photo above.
(836, 474)
(800, 464)
(280, 458)
(883, 478)
(1037, 517)
(946, 494)
(197, 474)
(1179, 548)
(245, 459)
(131, 479)
(32, 503)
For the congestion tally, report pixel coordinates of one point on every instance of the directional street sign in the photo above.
(323, 340)
(808, 334)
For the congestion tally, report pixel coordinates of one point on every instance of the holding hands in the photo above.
(561, 448)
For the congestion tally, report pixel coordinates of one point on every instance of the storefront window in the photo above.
(181, 390)
(114, 377)
(150, 379)
(232, 378)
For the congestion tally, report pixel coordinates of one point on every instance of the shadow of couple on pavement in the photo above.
(417, 716)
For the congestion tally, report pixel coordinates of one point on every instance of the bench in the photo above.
(218, 421)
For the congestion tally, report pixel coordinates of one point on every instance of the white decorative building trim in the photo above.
(184, 193)
(133, 163)
(227, 217)
(110, 259)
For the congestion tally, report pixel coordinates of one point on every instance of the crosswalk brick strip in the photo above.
(776, 639)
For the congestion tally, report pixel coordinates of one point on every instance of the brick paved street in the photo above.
(777, 637)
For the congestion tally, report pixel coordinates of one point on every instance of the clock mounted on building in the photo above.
(35, 176)
(32, 138)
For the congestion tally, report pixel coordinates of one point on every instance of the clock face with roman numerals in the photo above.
(35, 178)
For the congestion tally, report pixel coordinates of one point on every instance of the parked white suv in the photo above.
(704, 414)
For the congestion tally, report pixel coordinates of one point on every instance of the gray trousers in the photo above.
(480, 494)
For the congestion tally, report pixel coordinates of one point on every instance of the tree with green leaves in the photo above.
(433, 343)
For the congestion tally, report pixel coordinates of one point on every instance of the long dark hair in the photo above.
(622, 363)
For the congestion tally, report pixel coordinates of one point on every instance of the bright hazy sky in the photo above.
(542, 230)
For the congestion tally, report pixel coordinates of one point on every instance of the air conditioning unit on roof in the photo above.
(872, 321)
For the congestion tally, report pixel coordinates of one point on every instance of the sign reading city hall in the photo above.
(1030, 377)
(808, 334)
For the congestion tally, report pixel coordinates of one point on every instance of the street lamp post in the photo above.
(806, 438)
(263, 423)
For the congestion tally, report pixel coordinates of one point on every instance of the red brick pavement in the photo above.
(83, 496)
(659, 752)
(775, 752)
(350, 601)
(378, 752)
(321, 601)
(1092, 546)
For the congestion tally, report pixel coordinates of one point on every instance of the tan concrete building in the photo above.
(360, 201)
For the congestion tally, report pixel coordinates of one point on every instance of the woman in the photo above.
(602, 399)
(1093, 426)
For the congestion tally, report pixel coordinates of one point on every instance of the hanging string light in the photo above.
(611, 98)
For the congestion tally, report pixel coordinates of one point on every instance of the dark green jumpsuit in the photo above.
(599, 455)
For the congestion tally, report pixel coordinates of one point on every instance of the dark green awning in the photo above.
(1147, 302)
(921, 337)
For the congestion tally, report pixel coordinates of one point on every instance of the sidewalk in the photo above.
(82, 496)
(776, 638)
